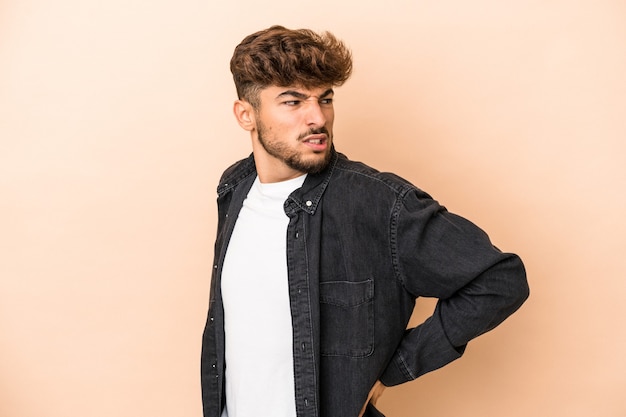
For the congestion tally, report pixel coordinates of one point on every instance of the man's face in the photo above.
(294, 130)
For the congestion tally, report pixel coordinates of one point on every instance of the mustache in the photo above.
(316, 131)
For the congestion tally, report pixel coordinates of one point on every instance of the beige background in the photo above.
(115, 124)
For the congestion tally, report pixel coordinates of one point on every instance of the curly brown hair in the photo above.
(284, 57)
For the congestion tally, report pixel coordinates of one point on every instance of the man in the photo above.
(319, 260)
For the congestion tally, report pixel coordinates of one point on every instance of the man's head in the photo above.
(285, 81)
(283, 57)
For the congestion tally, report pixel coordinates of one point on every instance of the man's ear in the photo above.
(245, 115)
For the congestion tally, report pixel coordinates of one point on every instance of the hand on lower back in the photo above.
(373, 396)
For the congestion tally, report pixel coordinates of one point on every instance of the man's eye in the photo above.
(326, 101)
(291, 102)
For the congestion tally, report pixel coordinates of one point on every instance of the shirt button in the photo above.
(309, 203)
(306, 402)
(297, 235)
(303, 346)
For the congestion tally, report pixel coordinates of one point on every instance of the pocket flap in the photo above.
(346, 293)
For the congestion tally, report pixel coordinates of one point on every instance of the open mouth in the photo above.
(317, 142)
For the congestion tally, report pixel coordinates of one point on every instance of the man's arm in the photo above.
(439, 254)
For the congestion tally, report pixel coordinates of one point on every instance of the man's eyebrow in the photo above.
(293, 93)
(301, 96)
(327, 93)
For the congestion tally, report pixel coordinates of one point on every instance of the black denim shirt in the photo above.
(361, 246)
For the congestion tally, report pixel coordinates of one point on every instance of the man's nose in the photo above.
(314, 114)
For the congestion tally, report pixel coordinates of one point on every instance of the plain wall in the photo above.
(116, 123)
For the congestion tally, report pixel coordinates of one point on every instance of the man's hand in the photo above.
(373, 396)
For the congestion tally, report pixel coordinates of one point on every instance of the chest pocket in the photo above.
(347, 318)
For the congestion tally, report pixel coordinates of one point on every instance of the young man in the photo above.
(319, 260)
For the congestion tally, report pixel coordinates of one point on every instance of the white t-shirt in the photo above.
(259, 334)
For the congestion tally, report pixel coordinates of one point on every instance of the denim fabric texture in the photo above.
(361, 247)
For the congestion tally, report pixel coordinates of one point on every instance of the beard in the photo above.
(291, 157)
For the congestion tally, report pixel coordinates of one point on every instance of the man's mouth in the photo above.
(316, 139)
(317, 142)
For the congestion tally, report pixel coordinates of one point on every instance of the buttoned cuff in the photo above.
(423, 349)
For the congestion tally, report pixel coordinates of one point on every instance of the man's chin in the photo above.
(313, 165)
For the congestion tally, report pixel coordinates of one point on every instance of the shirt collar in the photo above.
(305, 198)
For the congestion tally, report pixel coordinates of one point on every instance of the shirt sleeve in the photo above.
(442, 255)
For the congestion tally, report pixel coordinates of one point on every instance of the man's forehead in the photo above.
(298, 90)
